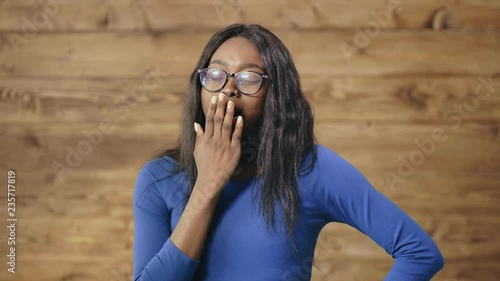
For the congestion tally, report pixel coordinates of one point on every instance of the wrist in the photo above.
(203, 198)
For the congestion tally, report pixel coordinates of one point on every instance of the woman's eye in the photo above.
(250, 82)
(217, 79)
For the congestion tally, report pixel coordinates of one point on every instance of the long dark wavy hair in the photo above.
(285, 131)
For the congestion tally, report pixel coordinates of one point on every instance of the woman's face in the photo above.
(234, 55)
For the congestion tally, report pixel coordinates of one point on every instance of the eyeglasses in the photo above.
(247, 82)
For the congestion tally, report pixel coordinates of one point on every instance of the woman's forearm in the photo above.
(190, 233)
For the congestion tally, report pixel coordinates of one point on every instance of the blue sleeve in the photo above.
(345, 195)
(155, 256)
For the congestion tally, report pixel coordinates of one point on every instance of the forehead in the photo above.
(237, 51)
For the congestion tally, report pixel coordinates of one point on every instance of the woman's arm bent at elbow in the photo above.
(159, 253)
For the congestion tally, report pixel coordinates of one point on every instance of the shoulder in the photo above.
(339, 186)
(156, 180)
(160, 168)
(319, 159)
(332, 167)
(327, 158)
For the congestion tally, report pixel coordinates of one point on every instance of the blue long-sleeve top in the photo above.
(239, 248)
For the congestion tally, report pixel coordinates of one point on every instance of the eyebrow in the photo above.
(244, 65)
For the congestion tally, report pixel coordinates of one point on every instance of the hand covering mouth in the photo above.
(237, 112)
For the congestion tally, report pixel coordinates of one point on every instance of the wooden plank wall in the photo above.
(65, 66)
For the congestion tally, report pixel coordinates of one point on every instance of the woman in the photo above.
(253, 145)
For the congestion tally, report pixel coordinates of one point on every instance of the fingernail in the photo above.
(221, 96)
(229, 104)
(239, 120)
(214, 99)
(195, 128)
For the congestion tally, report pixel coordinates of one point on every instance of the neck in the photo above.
(247, 166)
(246, 170)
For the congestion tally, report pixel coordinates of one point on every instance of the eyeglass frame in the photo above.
(229, 75)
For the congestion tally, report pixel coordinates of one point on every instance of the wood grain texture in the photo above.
(154, 15)
(73, 55)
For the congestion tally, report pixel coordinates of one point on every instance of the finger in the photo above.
(219, 115)
(199, 134)
(209, 119)
(227, 125)
(236, 139)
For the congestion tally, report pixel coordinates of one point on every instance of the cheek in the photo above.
(204, 106)
(257, 111)
(205, 100)
(261, 103)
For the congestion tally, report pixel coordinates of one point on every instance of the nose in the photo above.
(230, 87)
